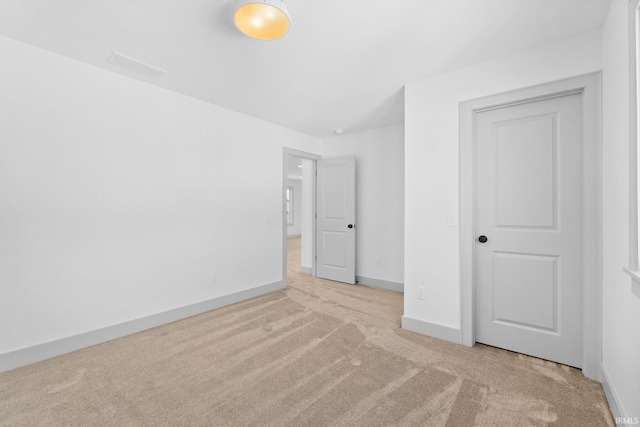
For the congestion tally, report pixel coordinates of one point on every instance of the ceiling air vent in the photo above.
(134, 65)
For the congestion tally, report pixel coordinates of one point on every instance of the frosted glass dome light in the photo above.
(262, 19)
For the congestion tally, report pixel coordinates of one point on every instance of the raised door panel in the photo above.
(334, 192)
(526, 173)
(525, 290)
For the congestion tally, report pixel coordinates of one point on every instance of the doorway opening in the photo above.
(299, 208)
(325, 222)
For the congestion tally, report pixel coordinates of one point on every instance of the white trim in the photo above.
(634, 268)
(633, 145)
(310, 156)
(25, 356)
(306, 270)
(615, 405)
(635, 281)
(635, 275)
(293, 236)
(435, 330)
(380, 283)
(589, 85)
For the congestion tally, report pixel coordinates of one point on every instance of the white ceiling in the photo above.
(342, 65)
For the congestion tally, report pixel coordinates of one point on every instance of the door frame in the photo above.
(286, 151)
(589, 86)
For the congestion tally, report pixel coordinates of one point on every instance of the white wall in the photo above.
(431, 163)
(119, 199)
(621, 308)
(380, 199)
(295, 228)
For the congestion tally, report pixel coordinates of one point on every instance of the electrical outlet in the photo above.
(378, 262)
(214, 277)
(421, 292)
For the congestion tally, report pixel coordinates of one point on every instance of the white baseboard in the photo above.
(25, 356)
(379, 283)
(306, 270)
(612, 395)
(432, 329)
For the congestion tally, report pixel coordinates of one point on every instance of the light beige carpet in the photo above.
(319, 353)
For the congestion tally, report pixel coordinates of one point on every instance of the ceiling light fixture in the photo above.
(262, 19)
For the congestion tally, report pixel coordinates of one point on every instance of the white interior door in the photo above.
(528, 181)
(336, 227)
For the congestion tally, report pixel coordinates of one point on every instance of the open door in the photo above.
(336, 227)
